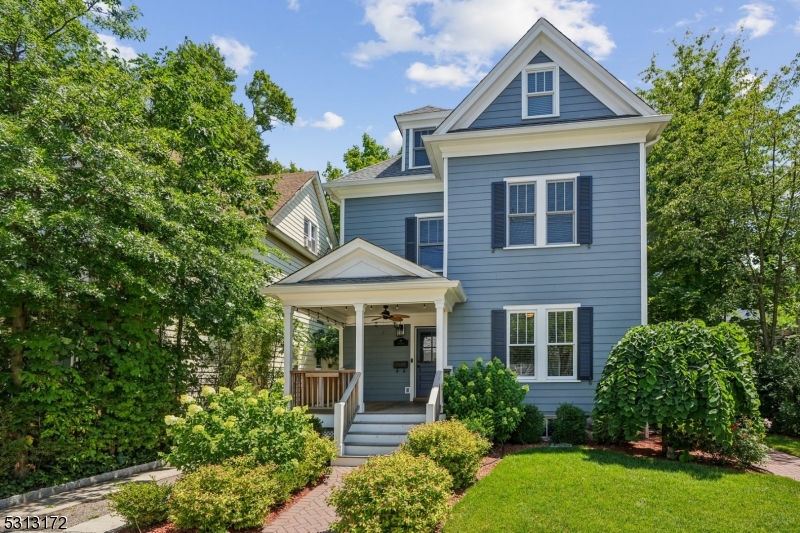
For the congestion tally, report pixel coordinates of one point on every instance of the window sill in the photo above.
(540, 116)
(531, 246)
(533, 380)
(417, 168)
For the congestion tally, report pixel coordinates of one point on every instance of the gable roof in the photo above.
(287, 185)
(425, 109)
(544, 37)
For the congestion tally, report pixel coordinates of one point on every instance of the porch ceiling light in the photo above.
(399, 329)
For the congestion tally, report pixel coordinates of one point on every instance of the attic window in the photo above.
(419, 154)
(310, 235)
(540, 91)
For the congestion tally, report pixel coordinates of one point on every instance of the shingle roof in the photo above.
(390, 168)
(287, 186)
(426, 109)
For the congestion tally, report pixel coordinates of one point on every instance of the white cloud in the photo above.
(238, 56)
(393, 141)
(294, 5)
(463, 36)
(330, 121)
(796, 27)
(758, 19)
(111, 42)
(700, 15)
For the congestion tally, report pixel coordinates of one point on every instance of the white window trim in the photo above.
(411, 156)
(540, 313)
(424, 216)
(308, 237)
(539, 67)
(541, 210)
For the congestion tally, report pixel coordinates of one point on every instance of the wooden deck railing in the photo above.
(434, 405)
(319, 389)
(345, 411)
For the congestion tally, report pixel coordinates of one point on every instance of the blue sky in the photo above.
(351, 65)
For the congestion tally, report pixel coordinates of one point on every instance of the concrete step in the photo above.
(367, 448)
(376, 438)
(378, 418)
(369, 427)
(349, 460)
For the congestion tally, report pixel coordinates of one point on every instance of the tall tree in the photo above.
(128, 209)
(723, 190)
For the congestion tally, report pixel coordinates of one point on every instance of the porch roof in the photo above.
(361, 272)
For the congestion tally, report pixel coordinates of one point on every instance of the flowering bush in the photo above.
(450, 445)
(748, 446)
(238, 422)
(489, 393)
(392, 493)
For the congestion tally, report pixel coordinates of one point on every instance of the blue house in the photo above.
(512, 226)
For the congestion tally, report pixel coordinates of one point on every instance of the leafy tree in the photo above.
(723, 188)
(326, 345)
(128, 212)
(695, 381)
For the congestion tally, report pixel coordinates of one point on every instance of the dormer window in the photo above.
(418, 155)
(540, 91)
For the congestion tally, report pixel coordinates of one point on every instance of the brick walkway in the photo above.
(311, 514)
(783, 464)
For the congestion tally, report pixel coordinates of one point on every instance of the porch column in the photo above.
(360, 352)
(341, 346)
(440, 333)
(288, 338)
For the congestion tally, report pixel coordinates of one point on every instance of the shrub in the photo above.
(570, 424)
(531, 427)
(215, 498)
(392, 493)
(779, 387)
(489, 391)
(238, 422)
(748, 446)
(314, 462)
(316, 424)
(481, 424)
(602, 435)
(450, 445)
(141, 504)
(694, 380)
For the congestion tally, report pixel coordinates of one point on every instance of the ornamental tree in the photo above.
(695, 381)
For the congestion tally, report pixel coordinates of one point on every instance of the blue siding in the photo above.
(382, 383)
(381, 220)
(605, 275)
(575, 103)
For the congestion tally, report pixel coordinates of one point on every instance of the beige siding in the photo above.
(282, 258)
(291, 217)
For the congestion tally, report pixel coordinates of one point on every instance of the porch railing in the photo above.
(434, 405)
(344, 411)
(319, 389)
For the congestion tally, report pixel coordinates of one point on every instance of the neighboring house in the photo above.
(300, 232)
(512, 226)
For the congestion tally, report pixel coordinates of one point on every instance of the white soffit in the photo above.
(544, 37)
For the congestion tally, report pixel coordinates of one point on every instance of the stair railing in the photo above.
(344, 411)
(434, 405)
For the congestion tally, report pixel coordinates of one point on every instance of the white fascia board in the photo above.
(559, 136)
(421, 120)
(326, 213)
(544, 37)
(421, 183)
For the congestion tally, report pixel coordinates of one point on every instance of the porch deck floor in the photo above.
(386, 408)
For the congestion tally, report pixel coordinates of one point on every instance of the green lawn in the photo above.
(587, 491)
(784, 444)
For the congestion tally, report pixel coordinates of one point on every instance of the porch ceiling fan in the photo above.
(386, 315)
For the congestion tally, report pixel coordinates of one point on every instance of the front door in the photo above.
(426, 361)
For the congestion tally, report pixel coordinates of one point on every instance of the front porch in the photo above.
(392, 319)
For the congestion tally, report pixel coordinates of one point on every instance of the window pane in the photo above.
(421, 158)
(548, 80)
(521, 230)
(568, 195)
(530, 326)
(560, 196)
(559, 326)
(540, 105)
(522, 360)
(512, 199)
(513, 337)
(559, 229)
(559, 361)
(418, 137)
(431, 231)
(431, 257)
(522, 198)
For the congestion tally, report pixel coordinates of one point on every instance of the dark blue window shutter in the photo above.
(584, 210)
(499, 335)
(585, 342)
(411, 239)
(498, 214)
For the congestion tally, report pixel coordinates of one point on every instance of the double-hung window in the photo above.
(560, 212)
(419, 155)
(542, 342)
(540, 91)
(540, 211)
(311, 235)
(431, 243)
(522, 214)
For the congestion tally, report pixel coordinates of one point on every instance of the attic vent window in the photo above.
(540, 91)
